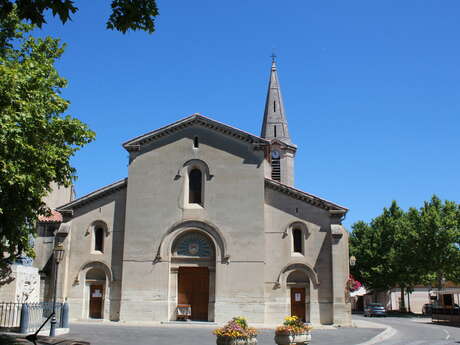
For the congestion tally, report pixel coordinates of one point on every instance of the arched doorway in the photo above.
(299, 286)
(96, 283)
(193, 262)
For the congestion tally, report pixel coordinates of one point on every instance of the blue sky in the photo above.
(371, 89)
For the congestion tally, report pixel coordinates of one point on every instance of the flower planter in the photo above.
(303, 338)
(236, 341)
(297, 339)
(284, 339)
(293, 331)
(236, 332)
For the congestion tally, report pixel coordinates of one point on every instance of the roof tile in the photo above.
(55, 217)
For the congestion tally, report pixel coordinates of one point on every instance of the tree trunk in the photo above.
(439, 281)
(402, 304)
(408, 301)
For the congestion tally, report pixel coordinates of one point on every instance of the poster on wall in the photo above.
(97, 293)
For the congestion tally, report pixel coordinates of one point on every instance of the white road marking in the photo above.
(447, 334)
(386, 334)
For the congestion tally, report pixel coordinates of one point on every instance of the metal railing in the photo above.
(451, 315)
(28, 317)
(10, 316)
(39, 312)
(445, 311)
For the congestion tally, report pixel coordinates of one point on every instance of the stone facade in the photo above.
(199, 197)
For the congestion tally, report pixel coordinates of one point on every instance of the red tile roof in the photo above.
(55, 217)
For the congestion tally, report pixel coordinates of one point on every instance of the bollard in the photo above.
(64, 322)
(24, 322)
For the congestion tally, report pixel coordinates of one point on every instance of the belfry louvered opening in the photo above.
(276, 169)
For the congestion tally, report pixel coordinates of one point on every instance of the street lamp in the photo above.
(352, 261)
(58, 253)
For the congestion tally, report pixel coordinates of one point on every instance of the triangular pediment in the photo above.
(193, 120)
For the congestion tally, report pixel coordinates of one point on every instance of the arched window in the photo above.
(195, 187)
(98, 239)
(193, 244)
(297, 241)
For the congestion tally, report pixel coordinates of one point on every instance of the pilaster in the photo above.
(340, 274)
(315, 317)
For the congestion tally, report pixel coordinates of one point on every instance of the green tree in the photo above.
(36, 140)
(438, 224)
(401, 238)
(386, 251)
(408, 248)
(371, 264)
(126, 14)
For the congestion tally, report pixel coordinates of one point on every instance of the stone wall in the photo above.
(24, 287)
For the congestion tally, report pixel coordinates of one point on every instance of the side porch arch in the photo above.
(281, 280)
(300, 283)
(95, 279)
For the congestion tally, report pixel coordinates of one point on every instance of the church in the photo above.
(206, 226)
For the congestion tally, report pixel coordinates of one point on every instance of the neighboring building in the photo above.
(413, 301)
(26, 283)
(208, 217)
(46, 231)
(421, 295)
(58, 196)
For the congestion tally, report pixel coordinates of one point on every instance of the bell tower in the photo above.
(275, 129)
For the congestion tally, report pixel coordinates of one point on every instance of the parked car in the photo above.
(427, 308)
(374, 309)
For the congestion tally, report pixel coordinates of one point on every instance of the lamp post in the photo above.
(58, 253)
(353, 300)
(352, 260)
(443, 287)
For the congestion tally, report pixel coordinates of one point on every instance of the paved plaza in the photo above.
(119, 334)
(399, 331)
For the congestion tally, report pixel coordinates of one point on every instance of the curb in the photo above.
(386, 334)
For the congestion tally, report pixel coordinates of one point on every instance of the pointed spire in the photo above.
(275, 124)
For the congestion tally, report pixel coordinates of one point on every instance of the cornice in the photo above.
(98, 194)
(288, 147)
(309, 198)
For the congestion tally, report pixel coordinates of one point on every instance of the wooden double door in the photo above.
(193, 289)
(298, 303)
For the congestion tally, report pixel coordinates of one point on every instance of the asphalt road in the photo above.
(119, 334)
(417, 331)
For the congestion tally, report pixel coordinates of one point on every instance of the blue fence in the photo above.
(28, 317)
